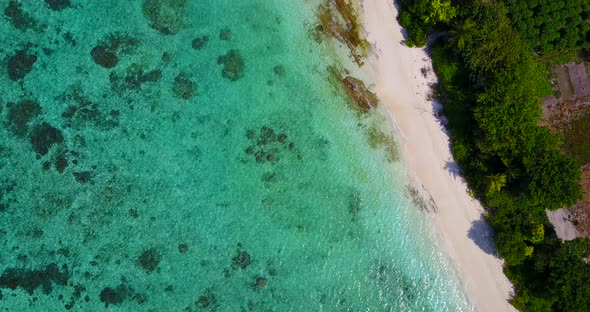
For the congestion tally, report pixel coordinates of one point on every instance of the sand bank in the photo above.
(403, 89)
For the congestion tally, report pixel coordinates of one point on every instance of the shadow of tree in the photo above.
(482, 234)
(453, 168)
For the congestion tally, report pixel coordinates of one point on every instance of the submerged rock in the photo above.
(20, 64)
(206, 300)
(359, 93)
(200, 42)
(225, 34)
(115, 295)
(165, 16)
(43, 137)
(104, 57)
(29, 280)
(20, 115)
(58, 5)
(241, 260)
(183, 87)
(233, 65)
(150, 259)
(18, 18)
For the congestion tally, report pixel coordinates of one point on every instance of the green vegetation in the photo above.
(490, 84)
(551, 24)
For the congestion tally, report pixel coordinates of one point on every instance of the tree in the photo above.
(462, 34)
(496, 182)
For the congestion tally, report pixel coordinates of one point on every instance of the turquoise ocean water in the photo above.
(194, 156)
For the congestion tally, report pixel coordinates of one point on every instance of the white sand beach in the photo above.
(396, 71)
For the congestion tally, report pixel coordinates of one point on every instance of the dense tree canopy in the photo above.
(552, 24)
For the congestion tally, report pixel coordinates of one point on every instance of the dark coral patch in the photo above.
(206, 300)
(241, 260)
(57, 5)
(233, 65)
(20, 64)
(83, 176)
(44, 136)
(29, 280)
(183, 87)
(165, 16)
(20, 114)
(104, 57)
(225, 34)
(18, 18)
(200, 42)
(150, 259)
(115, 295)
(134, 78)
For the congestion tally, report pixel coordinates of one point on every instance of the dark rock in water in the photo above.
(233, 65)
(358, 92)
(58, 5)
(106, 52)
(136, 77)
(61, 162)
(225, 34)
(206, 300)
(29, 280)
(18, 18)
(267, 135)
(20, 114)
(115, 296)
(282, 138)
(43, 137)
(260, 283)
(183, 87)
(83, 176)
(149, 259)
(104, 57)
(165, 16)
(241, 260)
(182, 248)
(279, 70)
(20, 64)
(200, 42)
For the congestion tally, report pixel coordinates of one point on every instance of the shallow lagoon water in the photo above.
(194, 156)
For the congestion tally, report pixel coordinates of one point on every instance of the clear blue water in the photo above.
(193, 156)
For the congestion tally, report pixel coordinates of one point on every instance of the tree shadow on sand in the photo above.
(482, 234)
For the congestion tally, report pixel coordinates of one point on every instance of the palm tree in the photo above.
(496, 182)
(462, 34)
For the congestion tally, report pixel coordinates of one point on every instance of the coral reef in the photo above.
(105, 53)
(183, 87)
(241, 259)
(18, 18)
(225, 34)
(356, 89)
(233, 65)
(103, 56)
(165, 16)
(150, 259)
(20, 64)
(58, 5)
(20, 115)
(338, 19)
(43, 137)
(206, 300)
(29, 280)
(200, 42)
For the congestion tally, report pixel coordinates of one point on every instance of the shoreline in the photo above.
(424, 144)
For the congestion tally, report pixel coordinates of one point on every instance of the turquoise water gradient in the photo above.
(194, 156)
